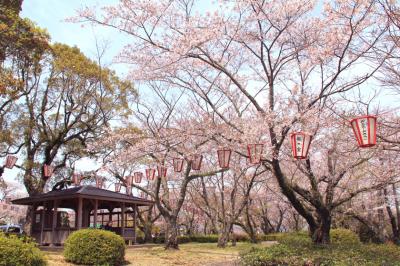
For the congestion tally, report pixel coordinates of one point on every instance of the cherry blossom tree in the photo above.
(261, 69)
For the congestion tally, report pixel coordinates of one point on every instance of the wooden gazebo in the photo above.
(58, 213)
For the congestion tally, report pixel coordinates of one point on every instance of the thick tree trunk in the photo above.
(171, 237)
(28, 220)
(320, 235)
(148, 238)
(223, 239)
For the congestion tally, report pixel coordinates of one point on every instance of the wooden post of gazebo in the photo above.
(123, 219)
(54, 223)
(96, 206)
(33, 217)
(42, 222)
(134, 223)
(79, 214)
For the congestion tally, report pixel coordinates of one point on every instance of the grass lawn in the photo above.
(204, 254)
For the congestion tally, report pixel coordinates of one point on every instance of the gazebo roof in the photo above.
(87, 192)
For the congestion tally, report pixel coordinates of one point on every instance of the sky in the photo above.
(51, 15)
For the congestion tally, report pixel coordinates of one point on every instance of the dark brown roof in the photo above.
(87, 192)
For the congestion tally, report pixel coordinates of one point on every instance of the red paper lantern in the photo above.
(118, 186)
(10, 161)
(300, 144)
(138, 177)
(48, 170)
(150, 173)
(224, 157)
(162, 171)
(364, 128)
(196, 161)
(99, 182)
(178, 164)
(129, 180)
(76, 179)
(254, 152)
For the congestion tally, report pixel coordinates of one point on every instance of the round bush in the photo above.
(16, 251)
(344, 236)
(94, 247)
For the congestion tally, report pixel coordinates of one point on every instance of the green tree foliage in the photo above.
(22, 45)
(68, 103)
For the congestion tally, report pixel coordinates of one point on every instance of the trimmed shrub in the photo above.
(94, 247)
(16, 251)
(343, 236)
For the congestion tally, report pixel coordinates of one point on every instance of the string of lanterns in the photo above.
(364, 129)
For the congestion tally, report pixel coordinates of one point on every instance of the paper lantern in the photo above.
(162, 171)
(76, 179)
(224, 157)
(138, 177)
(364, 128)
(129, 180)
(150, 173)
(118, 186)
(178, 164)
(300, 144)
(254, 151)
(99, 182)
(196, 161)
(10, 161)
(48, 170)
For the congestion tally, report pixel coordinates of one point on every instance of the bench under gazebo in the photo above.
(59, 212)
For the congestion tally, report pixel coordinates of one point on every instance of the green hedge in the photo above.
(208, 238)
(15, 251)
(297, 249)
(94, 247)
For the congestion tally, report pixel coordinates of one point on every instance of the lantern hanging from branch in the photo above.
(150, 173)
(254, 152)
(48, 170)
(162, 171)
(118, 186)
(138, 177)
(76, 179)
(224, 157)
(196, 161)
(300, 144)
(178, 164)
(129, 180)
(364, 128)
(10, 161)
(99, 182)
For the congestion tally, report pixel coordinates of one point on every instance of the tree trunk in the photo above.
(28, 220)
(223, 239)
(395, 230)
(320, 235)
(148, 238)
(171, 236)
(234, 240)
